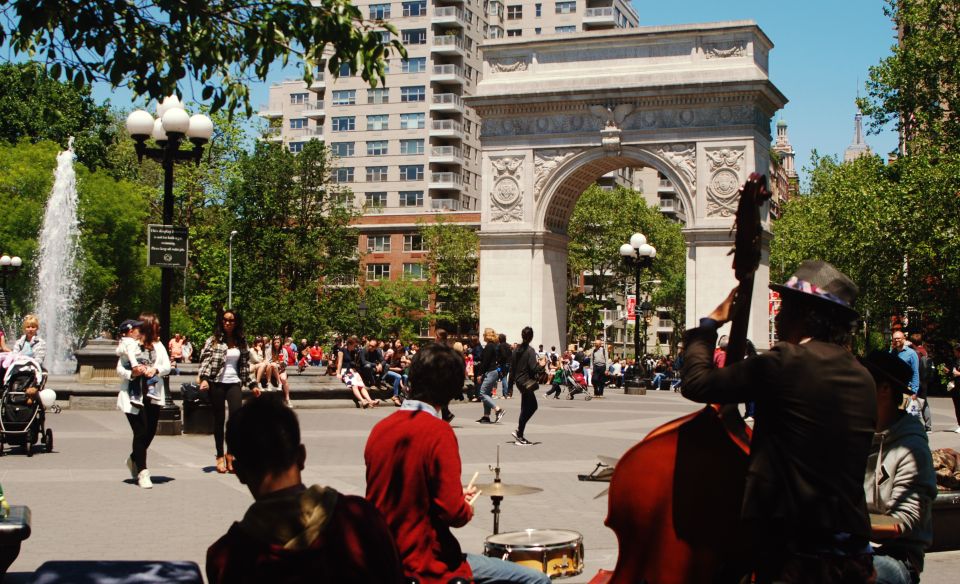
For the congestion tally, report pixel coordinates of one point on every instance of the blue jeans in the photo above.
(494, 571)
(396, 379)
(486, 391)
(891, 571)
(504, 383)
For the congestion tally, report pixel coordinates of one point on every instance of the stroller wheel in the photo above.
(588, 397)
(48, 440)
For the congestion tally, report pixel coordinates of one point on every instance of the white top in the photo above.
(231, 366)
(161, 362)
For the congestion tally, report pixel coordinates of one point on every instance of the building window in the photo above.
(416, 36)
(411, 198)
(342, 149)
(378, 243)
(537, 30)
(376, 174)
(412, 121)
(377, 199)
(380, 95)
(566, 7)
(378, 272)
(345, 97)
(413, 93)
(344, 124)
(343, 175)
(384, 36)
(298, 123)
(495, 32)
(413, 242)
(411, 147)
(379, 11)
(377, 122)
(377, 148)
(344, 70)
(299, 98)
(515, 12)
(414, 271)
(295, 147)
(411, 172)
(418, 8)
(514, 32)
(539, 9)
(562, 29)
(413, 65)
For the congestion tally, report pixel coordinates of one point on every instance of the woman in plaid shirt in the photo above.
(224, 370)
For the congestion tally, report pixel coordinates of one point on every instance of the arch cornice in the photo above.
(676, 160)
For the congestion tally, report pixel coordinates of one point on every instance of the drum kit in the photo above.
(555, 552)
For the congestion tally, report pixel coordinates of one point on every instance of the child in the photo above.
(129, 350)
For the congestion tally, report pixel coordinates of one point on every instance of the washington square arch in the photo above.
(695, 102)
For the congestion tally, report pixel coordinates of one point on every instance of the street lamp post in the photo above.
(230, 277)
(172, 125)
(362, 313)
(639, 254)
(8, 266)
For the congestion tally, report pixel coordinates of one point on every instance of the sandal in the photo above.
(221, 465)
(229, 459)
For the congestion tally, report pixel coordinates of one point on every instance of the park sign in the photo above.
(167, 246)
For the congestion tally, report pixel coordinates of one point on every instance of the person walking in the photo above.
(486, 376)
(523, 374)
(953, 373)
(224, 371)
(143, 420)
(598, 357)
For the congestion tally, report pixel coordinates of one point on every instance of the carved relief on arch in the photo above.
(725, 178)
(544, 163)
(682, 157)
(506, 198)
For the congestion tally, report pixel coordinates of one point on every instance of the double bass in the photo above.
(675, 498)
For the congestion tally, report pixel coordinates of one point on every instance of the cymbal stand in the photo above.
(496, 499)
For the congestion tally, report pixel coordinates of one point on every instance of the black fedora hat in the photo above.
(818, 280)
(885, 366)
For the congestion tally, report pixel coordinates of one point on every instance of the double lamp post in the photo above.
(8, 266)
(639, 255)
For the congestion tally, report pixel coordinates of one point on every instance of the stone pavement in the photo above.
(85, 506)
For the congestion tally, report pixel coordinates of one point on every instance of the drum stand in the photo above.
(496, 500)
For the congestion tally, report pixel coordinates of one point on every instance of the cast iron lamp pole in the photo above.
(172, 125)
(8, 265)
(639, 254)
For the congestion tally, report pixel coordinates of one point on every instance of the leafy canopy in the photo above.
(150, 46)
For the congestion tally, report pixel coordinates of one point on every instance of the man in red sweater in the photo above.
(292, 534)
(415, 481)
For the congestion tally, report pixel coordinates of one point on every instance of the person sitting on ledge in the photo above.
(292, 533)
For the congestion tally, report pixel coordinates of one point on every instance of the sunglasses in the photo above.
(229, 320)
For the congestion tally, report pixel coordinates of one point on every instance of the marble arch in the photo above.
(693, 101)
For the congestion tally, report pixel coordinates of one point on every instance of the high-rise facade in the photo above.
(411, 149)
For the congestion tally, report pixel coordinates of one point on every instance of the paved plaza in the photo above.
(85, 506)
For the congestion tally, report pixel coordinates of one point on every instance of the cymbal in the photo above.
(505, 490)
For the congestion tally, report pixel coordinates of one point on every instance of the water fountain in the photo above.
(58, 274)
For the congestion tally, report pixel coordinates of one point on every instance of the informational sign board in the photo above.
(167, 246)
(631, 308)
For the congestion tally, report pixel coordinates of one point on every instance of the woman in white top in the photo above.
(143, 420)
(224, 371)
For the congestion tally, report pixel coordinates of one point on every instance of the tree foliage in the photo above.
(395, 309)
(602, 221)
(452, 260)
(37, 107)
(151, 46)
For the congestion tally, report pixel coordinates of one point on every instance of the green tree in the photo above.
(602, 221)
(396, 308)
(152, 45)
(37, 107)
(293, 235)
(452, 260)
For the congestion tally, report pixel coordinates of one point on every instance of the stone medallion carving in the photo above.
(725, 50)
(682, 157)
(725, 170)
(506, 201)
(508, 65)
(544, 162)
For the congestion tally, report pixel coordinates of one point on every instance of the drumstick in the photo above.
(470, 484)
(474, 499)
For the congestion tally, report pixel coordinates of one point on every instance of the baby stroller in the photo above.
(574, 381)
(23, 423)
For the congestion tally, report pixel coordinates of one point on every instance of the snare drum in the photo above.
(555, 552)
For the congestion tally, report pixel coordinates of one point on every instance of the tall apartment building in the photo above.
(411, 149)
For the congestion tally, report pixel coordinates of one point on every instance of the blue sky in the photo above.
(822, 53)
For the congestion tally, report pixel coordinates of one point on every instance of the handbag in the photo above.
(190, 393)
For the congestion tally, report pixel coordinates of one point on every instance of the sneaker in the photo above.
(957, 430)
(132, 467)
(136, 402)
(143, 479)
(748, 419)
(500, 413)
(484, 420)
(448, 417)
(519, 439)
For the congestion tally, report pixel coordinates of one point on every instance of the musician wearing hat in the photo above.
(900, 482)
(804, 508)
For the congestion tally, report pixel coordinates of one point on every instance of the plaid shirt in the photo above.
(214, 355)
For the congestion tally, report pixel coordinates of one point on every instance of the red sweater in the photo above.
(413, 478)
